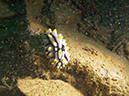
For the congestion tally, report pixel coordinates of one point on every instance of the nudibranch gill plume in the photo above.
(55, 48)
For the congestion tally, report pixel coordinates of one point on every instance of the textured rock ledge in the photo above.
(39, 87)
(92, 69)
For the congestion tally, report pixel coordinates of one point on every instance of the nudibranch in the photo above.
(54, 46)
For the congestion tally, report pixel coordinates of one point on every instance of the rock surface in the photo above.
(39, 87)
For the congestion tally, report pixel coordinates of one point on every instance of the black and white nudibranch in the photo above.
(54, 46)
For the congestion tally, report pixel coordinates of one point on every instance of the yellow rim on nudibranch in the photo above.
(49, 48)
(54, 30)
(59, 64)
(59, 37)
(48, 34)
(66, 47)
(60, 53)
(49, 29)
(55, 49)
(62, 61)
(54, 60)
(54, 43)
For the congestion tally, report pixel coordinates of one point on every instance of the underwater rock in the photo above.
(39, 87)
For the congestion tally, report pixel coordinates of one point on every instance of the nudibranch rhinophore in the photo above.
(55, 48)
